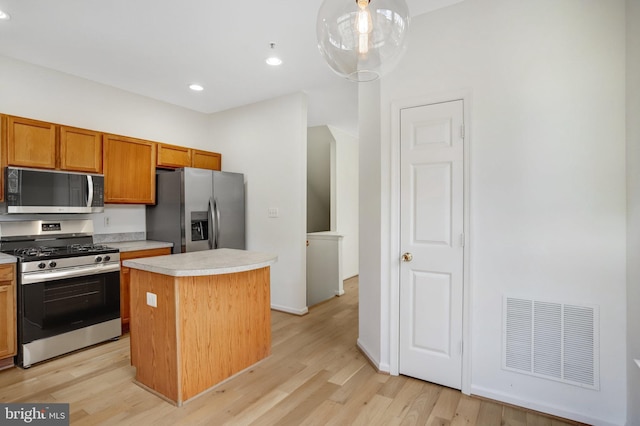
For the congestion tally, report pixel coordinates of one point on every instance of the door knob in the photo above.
(407, 257)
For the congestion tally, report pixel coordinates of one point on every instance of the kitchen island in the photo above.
(198, 318)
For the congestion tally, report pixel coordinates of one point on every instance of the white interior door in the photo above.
(432, 236)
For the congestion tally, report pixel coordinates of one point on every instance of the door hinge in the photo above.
(461, 347)
(461, 240)
(462, 131)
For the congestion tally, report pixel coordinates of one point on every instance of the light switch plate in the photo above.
(152, 300)
(273, 212)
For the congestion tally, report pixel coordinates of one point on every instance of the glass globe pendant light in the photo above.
(362, 39)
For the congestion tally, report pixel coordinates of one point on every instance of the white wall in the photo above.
(346, 198)
(633, 209)
(42, 94)
(373, 235)
(341, 148)
(319, 162)
(547, 161)
(268, 142)
(34, 92)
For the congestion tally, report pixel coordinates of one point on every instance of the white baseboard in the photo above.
(540, 406)
(384, 368)
(290, 310)
(339, 292)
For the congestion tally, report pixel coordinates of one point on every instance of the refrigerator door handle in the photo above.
(217, 223)
(211, 225)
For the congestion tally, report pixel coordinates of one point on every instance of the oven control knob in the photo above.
(98, 259)
(42, 265)
(52, 264)
(107, 258)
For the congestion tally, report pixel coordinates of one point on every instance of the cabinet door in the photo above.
(172, 156)
(31, 143)
(125, 280)
(129, 170)
(80, 150)
(125, 274)
(206, 160)
(7, 311)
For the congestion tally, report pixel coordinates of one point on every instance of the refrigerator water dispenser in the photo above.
(199, 226)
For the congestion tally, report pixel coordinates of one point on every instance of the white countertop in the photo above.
(138, 245)
(7, 258)
(207, 262)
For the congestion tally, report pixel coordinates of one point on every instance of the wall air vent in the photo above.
(552, 340)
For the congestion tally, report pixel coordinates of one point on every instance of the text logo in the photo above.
(34, 414)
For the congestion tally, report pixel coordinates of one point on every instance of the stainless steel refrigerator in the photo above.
(198, 209)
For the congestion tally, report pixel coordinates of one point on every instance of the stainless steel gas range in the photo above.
(68, 288)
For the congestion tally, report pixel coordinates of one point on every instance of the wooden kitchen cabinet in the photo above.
(80, 150)
(125, 274)
(30, 143)
(8, 320)
(129, 167)
(206, 159)
(172, 156)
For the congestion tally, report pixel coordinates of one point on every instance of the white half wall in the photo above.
(633, 209)
(267, 141)
(547, 186)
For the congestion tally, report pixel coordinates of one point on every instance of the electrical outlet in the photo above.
(152, 300)
(107, 221)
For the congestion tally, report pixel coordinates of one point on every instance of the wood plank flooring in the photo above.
(315, 376)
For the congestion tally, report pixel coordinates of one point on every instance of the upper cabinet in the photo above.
(128, 164)
(30, 143)
(172, 156)
(129, 170)
(80, 150)
(206, 160)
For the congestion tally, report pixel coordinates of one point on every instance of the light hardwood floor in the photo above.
(315, 376)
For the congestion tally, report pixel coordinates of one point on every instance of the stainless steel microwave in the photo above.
(48, 191)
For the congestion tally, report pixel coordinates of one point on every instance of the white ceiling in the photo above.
(156, 48)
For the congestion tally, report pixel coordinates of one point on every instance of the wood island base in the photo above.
(203, 329)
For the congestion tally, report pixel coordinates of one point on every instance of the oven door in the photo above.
(54, 307)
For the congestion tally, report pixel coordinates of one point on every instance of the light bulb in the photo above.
(363, 26)
(362, 39)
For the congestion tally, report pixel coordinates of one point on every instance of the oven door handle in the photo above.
(39, 277)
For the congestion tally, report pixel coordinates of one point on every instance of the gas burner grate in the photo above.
(87, 247)
(35, 251)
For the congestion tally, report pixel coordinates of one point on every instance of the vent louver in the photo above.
(551, 340)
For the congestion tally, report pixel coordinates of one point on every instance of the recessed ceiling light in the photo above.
(274, 61)
(4, 16)
(196, 87)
